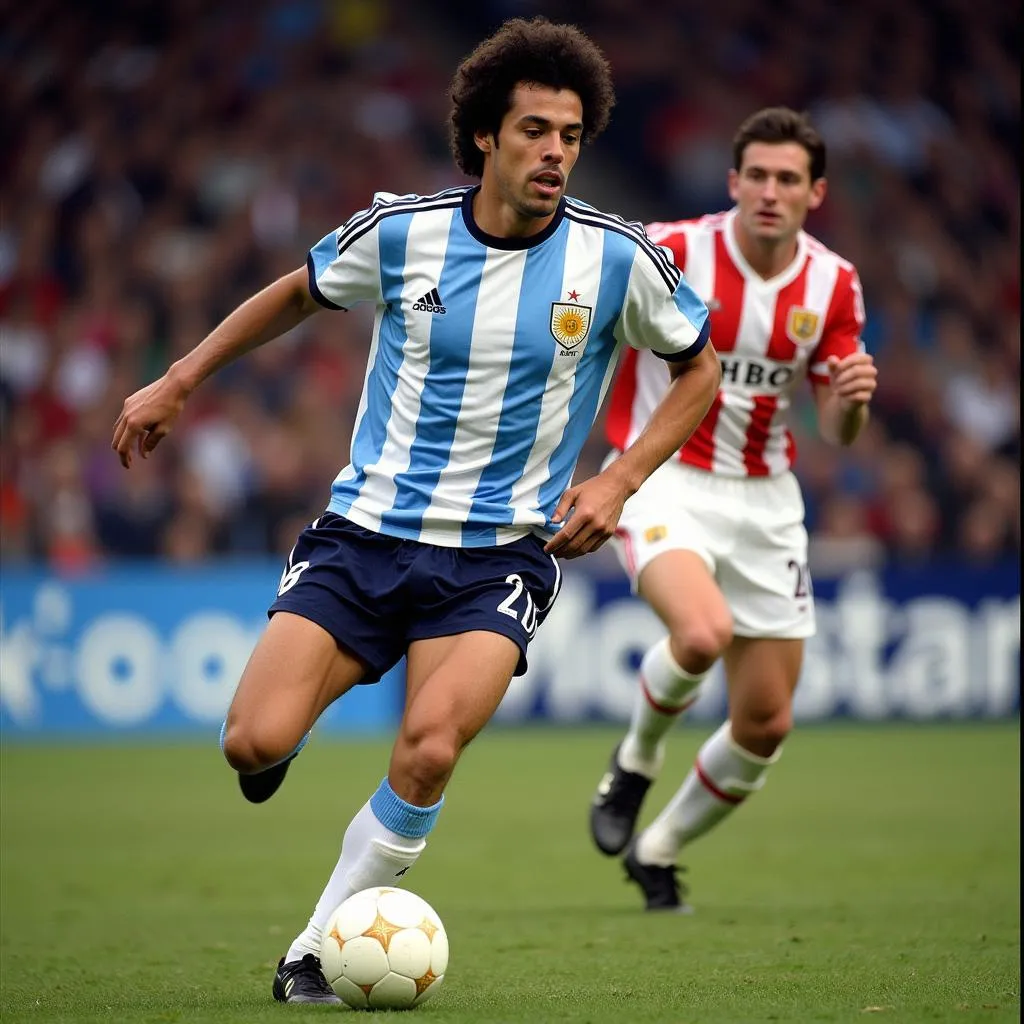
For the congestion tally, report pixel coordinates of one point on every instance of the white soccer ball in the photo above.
(384, 949)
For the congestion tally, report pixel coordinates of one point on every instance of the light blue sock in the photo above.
(302, 743)
(401, 817)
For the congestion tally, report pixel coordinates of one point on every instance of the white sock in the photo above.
(666, 690)
(381, 843)
(722, 777)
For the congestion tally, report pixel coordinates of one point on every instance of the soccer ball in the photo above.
(384, 949)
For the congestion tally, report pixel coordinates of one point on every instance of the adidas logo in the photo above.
(430, 303)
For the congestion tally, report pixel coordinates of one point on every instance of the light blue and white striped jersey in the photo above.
(489, 359)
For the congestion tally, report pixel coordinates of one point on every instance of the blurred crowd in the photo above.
(164, 162)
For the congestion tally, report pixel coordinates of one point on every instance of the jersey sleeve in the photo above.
(841, 336)
(670, 236)
(344, 266)
(661, 312)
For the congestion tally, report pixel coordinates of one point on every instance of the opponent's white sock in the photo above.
(722, 777)
(666, 690)
(381, 843)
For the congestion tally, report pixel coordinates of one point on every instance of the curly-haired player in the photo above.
(500, 311)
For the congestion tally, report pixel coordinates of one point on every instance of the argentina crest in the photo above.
(570, 325)
(802, 325)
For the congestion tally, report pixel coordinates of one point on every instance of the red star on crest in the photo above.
(573, 295)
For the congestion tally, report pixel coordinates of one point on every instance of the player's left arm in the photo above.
(694, 383)
(675, 324)
(843, 374)
(596, 503)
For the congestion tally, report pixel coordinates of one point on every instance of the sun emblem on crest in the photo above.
(570, 323)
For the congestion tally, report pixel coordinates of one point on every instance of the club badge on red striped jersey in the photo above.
(570, 324)
(802, 325)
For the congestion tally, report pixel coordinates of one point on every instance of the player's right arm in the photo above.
(341, 269)
(148, 415)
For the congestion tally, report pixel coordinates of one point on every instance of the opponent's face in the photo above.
(773, 190)
(528, 164)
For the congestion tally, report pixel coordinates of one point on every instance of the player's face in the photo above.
(773, 189)
(528, 164)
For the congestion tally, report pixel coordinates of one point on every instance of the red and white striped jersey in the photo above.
(769, 336)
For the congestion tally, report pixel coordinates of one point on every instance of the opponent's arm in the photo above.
(148, 415)
(843, 403)
(597, 503)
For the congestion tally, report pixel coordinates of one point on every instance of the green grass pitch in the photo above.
(875, 878)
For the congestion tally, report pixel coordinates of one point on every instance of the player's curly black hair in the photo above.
(780, 124)
(536, 51)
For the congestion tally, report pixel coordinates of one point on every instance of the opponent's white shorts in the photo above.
(749, 531)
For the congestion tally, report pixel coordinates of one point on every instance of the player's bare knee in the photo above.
(427, 756)
(248, 751)
(776, 729)
(763, 734)
(239, 751)
(697, 645)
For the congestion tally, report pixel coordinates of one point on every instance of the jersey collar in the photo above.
(493, 241)
(781, 279)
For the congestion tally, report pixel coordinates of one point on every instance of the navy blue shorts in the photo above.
(377, 594)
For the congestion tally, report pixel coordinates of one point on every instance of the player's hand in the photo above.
(147, 418)
(853, 380)
(596, 505)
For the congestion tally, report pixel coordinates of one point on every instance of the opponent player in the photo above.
(714, 540)
(500, 311)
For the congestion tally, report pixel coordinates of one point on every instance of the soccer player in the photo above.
(714, 540)
(500, 312)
